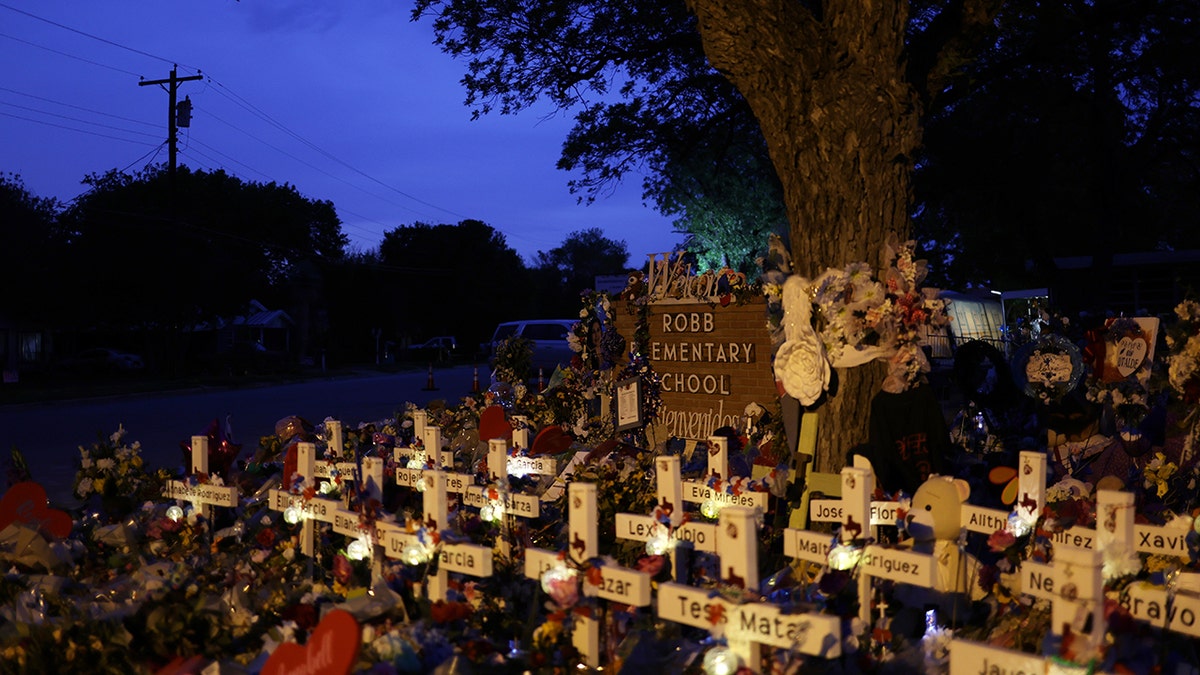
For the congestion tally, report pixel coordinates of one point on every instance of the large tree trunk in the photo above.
(841, 123)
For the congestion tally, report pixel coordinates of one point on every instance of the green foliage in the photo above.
(572, 267)
(444, 279)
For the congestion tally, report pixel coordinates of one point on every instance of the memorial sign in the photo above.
(713, 360)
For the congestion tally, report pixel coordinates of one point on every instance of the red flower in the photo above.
(342, 569)
(444, 612)
(265, 537)
(304, 615)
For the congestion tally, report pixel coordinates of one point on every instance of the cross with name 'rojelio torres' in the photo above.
(662, 537)
(202, 494)
(747, 626)
(699, 492)
(613, 582)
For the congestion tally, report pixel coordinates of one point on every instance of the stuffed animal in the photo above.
(934, 521)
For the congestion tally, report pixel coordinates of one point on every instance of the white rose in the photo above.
(801, 366)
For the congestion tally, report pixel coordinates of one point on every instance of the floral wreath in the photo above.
(1048, 368)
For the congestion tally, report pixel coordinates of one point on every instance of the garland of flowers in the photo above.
(1183, 367)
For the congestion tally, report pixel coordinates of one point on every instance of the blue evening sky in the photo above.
(347, 101)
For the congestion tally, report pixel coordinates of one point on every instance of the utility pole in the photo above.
(173, 86)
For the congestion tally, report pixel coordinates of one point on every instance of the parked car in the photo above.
(441, 348)
(102, 361)
(547, 338)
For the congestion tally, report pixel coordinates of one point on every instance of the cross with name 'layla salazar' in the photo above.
(580, 563)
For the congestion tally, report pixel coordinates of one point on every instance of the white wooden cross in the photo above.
(430, 452)
(718, 467)
(521, 506)
(747, 626)
(618, 584)
(203, 496)
(298, 509)
(700, 535)
(1175, 608)
(348, 522)
(973, 658)
(469, 559)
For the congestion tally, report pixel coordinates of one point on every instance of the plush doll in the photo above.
(934, 523)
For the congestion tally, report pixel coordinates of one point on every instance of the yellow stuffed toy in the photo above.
(934, 523)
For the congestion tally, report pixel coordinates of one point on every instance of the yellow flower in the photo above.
(547, 634)
(98, 485)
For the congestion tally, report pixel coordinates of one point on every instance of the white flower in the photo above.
(1120, 562)
(803, 369)
(105, 463)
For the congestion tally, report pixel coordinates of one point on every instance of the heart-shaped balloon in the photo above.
(493, 424)
(1131, 352)
(551, 441)
(332, 649)
(27, 503)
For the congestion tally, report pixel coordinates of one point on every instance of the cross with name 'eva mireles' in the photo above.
(202, 494)
(604, 581)
(700, 492)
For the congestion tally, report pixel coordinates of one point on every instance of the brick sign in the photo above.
(713, 361)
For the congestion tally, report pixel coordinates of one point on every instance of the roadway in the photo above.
(49, 434)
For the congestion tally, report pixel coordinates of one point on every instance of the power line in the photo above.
(305, 163)
(70, 56)
(76, 119)
(77, 107)
(327, 155)
(89, 35)
(82, 131)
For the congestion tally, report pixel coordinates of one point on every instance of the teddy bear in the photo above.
(934, 524)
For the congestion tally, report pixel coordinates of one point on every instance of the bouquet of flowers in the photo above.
(112, 468)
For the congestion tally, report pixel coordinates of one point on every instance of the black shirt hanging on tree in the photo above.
(909, 438)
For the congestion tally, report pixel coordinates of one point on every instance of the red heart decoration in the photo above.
(332, 649)
(551, 441)
(493, 424)
(27, 503)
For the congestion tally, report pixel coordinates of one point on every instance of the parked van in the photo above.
(547, 337)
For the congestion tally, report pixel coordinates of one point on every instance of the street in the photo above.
(49, 434)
